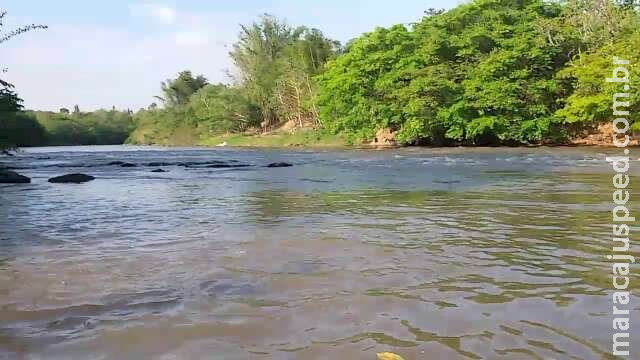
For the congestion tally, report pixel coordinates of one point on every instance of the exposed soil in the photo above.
(602, 135)
(384, 137)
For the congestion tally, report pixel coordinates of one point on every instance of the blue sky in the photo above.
(99, 54)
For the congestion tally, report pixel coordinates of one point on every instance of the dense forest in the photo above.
(485, 72)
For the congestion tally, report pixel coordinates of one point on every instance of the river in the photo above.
(457, 253)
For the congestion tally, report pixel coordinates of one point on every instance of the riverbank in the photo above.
(597, 136)
(304, 138)
(185, 136)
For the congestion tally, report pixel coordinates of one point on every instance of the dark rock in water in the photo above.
(226, 166)
(279, 165)
(118, 162)
(90, 324)
(12, 177)
(125, 165)
(198, 164)
(202, 163)
(72, 178)
(158, 171)
(213, 164)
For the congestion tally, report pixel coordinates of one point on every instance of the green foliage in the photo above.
(16, 129)
(9, 101)
(363, 89)
(20, 129)
(167, 126)
(101, 127)
(223, 108)
(592, 98)
(176, 92)
(486, 72)
(276, 64)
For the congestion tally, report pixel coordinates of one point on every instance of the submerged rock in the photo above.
(158, 171)
(154, 164)
(12, 177)
(279, 165)
(225, 166)
(125, 165)
(193, 164)
(196, 164)
(117, 162)
(71, 178)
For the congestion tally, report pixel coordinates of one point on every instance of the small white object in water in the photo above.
(222, 144)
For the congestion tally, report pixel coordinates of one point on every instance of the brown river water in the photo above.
(428, 253)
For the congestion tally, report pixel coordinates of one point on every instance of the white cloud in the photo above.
(163, 14)
(102, 66)
(191, 38)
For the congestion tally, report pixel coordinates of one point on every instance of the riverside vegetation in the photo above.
(487, 72)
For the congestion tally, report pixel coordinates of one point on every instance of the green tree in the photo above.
(223, 109)
(276, 63)
(485, 72)
(15, 128)
(176, 92)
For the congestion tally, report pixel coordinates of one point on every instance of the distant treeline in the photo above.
(484, 72)
(39, 128)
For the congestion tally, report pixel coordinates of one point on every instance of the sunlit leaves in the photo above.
(485, 70)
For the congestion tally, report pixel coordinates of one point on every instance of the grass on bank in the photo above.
(312, 138)
(185, 135)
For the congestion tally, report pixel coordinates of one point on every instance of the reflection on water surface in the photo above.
(429, 253)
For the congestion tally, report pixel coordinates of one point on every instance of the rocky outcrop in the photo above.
(279, 165)
(71, 179)
(12, 177)
(384, 137)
